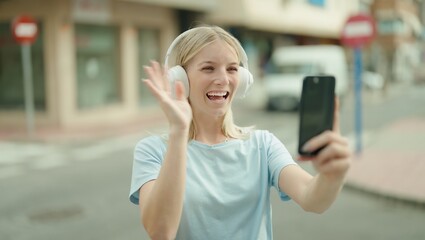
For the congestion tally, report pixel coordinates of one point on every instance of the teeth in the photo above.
(217, 94)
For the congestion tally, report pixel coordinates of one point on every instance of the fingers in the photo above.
(324, 139)
(180, 91)
(153, 89)
(157, 76)
(162, 73)
(336, 168)
(332, 151)
(333, 159)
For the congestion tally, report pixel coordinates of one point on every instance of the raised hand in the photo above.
(177, 110)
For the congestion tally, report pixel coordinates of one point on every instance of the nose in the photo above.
(222, 77)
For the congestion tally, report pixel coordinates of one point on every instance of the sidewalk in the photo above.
(392, 164)
(86, 133)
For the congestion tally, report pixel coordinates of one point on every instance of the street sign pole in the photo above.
(25, 31)
(28, 87)
(358, 30)
(358, 70)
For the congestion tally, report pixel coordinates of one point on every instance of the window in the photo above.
(391, 26)
(319, 3)
(148, 50)
(97, 65)
(11, 71)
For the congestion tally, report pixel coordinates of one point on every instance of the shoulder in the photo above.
(266, 140)
(150, 149)
(263, 135)
(262, 138)
(154, 142)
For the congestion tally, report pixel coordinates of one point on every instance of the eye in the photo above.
(232, 69)
(208, 68)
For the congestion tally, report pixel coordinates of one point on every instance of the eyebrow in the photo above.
(212, 62)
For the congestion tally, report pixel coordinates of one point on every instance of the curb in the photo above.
(417, 203)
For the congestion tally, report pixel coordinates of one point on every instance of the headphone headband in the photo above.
(244, 57)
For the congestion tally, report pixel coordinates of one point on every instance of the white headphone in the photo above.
(177, 73)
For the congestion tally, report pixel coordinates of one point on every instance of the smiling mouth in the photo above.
(218, 95)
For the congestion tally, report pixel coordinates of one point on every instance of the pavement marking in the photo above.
(11, 153)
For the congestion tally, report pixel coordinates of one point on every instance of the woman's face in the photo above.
(213, 78)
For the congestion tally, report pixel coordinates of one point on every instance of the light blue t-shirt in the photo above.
(227, 185)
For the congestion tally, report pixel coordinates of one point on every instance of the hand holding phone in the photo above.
(316, 109)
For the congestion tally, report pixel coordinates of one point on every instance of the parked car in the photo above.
(289, 66)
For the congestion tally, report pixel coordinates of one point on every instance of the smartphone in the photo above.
(316, 109)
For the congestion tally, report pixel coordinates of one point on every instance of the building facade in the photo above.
(397, 43)
(88, 57)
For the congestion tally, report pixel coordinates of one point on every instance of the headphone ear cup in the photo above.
(177, 73)
(245, 82)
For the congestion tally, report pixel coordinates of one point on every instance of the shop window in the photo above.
(97, 65)
(148, 50)
(12, 95)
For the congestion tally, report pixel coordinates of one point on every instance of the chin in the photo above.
(221, 112)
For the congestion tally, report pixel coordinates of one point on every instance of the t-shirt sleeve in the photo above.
(148, 155)
(278, 158)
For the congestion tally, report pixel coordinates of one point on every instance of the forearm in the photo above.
(162, 209)
(321, 192)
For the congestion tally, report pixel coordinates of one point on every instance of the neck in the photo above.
(209, 132)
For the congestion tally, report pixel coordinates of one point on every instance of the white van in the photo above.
(290, 64)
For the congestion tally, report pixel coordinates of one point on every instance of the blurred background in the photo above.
(68, 177)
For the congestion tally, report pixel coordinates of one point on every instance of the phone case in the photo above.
(316, 109)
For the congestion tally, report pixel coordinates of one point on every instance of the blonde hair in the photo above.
(188, 46)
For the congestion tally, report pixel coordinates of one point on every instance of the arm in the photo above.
(161, 200)
(316, 194)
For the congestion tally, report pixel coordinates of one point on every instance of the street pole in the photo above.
(358, 66)
(28, 87)
(25, 31)
(358, 30)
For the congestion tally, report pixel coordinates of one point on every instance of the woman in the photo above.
(209, 178)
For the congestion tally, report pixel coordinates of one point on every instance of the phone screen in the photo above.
(316, 109)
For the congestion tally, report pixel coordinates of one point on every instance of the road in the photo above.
(80, 190)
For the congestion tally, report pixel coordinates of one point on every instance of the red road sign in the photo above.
(24, 29)
(358, 30)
